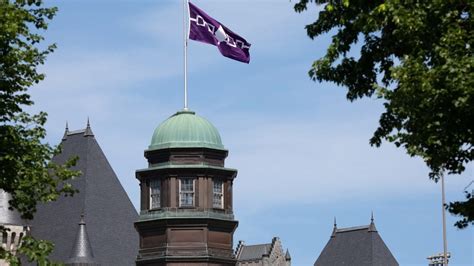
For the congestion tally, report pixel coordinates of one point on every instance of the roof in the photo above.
(81, 254)
(185, 129)
(254, 252)
(7, 216)
(109, 212)
(273, 251)
(360, 245)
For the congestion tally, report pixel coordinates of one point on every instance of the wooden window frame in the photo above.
(214, 193)
(193, 192)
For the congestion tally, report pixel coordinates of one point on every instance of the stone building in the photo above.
(10, 220)
(270, 254)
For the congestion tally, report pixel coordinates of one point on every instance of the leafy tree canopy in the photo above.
(418, 57)
(26, 170)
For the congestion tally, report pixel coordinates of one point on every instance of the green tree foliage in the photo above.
(417, 56)
(26, 170)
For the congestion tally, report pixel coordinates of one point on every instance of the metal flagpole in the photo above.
(445, 242)
(185, 39)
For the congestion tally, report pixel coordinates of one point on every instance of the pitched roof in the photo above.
(254, 252)
(360, 245)
(274, 249)
(110, 214)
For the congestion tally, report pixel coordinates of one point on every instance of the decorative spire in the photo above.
(287, 255)
(372, 224)
(66, 131)
(81, 252)
(88, 131)
(334, 230)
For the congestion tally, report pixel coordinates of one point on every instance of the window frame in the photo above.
(214, 193)
(181, 193)
(151, 182)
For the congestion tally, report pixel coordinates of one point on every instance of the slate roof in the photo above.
(254, 252)
(358, 246)
(109, 212)
(81, 253)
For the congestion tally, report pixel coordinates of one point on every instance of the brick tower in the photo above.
(186, 213)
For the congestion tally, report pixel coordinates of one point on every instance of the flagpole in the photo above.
(185, 39)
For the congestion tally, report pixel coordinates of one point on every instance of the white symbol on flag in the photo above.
(220, 34)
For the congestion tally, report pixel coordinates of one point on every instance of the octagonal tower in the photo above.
(186, 215)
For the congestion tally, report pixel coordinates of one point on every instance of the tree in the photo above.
(26, 170)
(417, 56)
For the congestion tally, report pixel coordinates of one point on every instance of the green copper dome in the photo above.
(185, 129)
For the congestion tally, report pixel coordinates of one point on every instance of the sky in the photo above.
(302, 150)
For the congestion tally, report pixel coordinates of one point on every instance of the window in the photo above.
(186, 192)
(4, 238)
(155, 194)
(12, 241)
(218, 195)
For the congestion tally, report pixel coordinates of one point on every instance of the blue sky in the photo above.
(300, 147)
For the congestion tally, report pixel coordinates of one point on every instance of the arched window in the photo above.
(13, 238)
(4, 238)
(20, 238)
(12, 241)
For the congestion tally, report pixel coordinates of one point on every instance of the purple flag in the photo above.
(205, 29)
